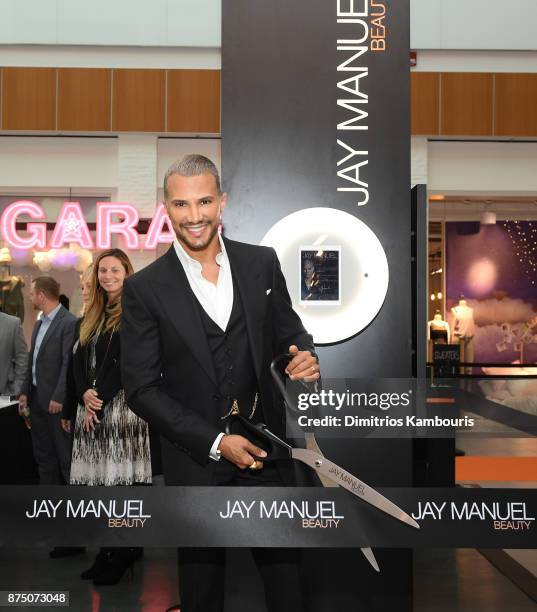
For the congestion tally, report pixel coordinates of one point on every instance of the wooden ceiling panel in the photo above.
(515, 105)
(29, 99)
(194, 101)
(466, 104)
(425, 103)
(138, 100)
(84, 98)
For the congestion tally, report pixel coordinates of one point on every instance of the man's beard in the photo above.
(183, 237)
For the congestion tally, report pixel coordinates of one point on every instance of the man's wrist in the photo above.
(215, 453)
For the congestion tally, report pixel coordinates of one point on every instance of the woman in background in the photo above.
(70, 403)
(110, 443)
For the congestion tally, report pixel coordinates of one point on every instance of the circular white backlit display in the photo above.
(351, 271)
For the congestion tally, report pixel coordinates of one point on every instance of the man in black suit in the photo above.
(45, 384)
(199, 330)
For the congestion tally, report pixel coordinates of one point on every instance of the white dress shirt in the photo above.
(46, 320)
(216, 300)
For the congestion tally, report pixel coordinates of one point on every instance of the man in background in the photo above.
(13, 355)
(44, 387)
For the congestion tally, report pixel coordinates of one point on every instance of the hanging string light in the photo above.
(523, 236)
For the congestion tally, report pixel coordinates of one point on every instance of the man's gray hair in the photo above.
(192, 165)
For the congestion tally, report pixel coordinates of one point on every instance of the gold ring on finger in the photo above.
(253, 466)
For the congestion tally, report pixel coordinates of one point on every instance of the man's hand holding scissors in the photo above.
(303, 366)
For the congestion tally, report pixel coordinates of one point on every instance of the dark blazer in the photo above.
(167, 368)
(52, 360)
(108, 381)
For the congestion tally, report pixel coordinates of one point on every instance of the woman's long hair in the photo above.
(85, 277)
(100, 315)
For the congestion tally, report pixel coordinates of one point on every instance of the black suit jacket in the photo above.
(52, 359)
(108, 382)
(167, 368)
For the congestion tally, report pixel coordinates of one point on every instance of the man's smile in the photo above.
(196, 230)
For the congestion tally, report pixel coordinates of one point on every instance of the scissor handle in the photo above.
(276, 447)
(276, 374)
(279, 380)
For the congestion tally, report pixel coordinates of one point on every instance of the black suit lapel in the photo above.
(246, 277)
(182, 309)
(54, 323)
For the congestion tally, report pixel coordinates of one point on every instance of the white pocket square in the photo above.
(268, 291)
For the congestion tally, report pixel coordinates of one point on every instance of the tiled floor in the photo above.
(151, 588)
(463, 581)
(445, 581)
(526, 557)
(506, 447)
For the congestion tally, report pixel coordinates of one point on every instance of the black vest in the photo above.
(233, 363)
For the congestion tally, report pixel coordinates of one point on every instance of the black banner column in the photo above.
(315, 113)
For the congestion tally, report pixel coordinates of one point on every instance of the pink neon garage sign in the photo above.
(119, 218)
(36, 233)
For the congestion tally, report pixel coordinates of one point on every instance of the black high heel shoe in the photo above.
(99, 565)
(121, 560)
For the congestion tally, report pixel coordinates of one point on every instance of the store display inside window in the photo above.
(438, 330)
(464, 330)
(11, 298)
(493, 266)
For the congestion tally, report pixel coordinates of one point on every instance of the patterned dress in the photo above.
(117, 451)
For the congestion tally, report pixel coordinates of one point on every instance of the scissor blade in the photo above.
(368, 554)
(356, 486)
(311, 444)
